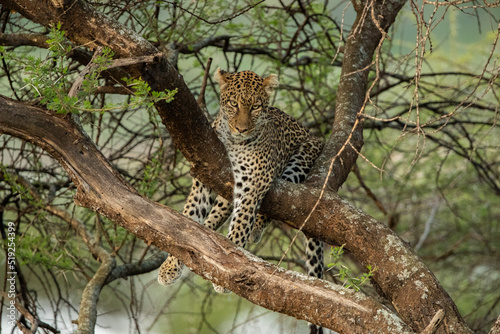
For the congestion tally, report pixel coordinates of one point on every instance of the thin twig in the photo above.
(428, 225)
(243, 11)
(201, 98)
(368, 191)
(81, 76)
(35, 322)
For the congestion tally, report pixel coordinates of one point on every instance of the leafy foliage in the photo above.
(43, 251)
(344, 273)
(49, 79)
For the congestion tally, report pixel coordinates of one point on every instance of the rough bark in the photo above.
(402, 277)
(87, 315)
(347, 130)
(207, 253)
(102, 189)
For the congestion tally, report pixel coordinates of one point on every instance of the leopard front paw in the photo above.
(170, 271)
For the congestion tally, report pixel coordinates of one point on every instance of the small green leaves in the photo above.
(143, 94)
(47, 79)
(43, 250)
(57, 43)
(345, 274)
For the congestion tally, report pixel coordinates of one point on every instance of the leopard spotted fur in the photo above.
(263, 143)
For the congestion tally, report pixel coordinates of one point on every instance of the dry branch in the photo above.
(35, 322)
(436, 321)
(77, 84)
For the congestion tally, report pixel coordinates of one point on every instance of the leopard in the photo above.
(263, 143)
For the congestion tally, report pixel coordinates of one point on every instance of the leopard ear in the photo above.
(221, 77)
(270, 83)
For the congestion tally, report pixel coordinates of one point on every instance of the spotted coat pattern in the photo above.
(263, 143)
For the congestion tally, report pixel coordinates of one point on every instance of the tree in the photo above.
(117, 159)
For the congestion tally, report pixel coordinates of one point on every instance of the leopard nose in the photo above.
(241, 128)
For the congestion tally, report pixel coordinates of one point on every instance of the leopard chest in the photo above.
(258, 162)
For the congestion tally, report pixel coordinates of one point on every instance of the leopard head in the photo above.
(244, 97)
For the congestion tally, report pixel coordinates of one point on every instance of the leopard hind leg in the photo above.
(314, 267)
(197, 208)
(296, 171)
(219, 214)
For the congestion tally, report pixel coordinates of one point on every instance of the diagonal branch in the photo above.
(207, 253)
(363, 41)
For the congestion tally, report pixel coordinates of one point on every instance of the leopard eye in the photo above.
(256, 107)
(233, 103)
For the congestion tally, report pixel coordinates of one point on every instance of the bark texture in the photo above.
(207, 253)
(340, 152)
(403, 278)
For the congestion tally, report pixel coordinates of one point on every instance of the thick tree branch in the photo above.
(136, 268)
(207, 253)
(363, 41)
(73, 18)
